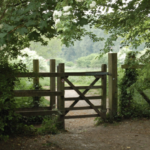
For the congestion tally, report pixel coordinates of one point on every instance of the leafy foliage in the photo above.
(49, 126)
(92, 60)
(9, 119)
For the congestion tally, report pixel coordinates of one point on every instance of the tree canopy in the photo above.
(22, 21)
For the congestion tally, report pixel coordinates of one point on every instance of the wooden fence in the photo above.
(62, 77)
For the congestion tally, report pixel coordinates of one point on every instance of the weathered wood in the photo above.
(38, 112)
(85, 91)
(81, 116)
(33, 109)
(82, 108)
(27, 93)
(112, 69)
(80, 98)
(104, 87)
(52, 84)
(41, 74)
(36, 81)
(84, 87)
(82, 95)
(58, 88)
(132, 67)
(61, 98)
(96, 73)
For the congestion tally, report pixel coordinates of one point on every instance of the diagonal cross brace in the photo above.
(82, 95)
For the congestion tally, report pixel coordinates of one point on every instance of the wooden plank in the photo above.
(84, 87)
(36, 82)
(28, 93)
(96, 73)
(38, 112)
(79, 98)
(33, 109)
(42, 74)
(52, 84)
(104, 92)
(82, 95)
(132, 67)
(82, 116)
(82, 108)
(112, 69)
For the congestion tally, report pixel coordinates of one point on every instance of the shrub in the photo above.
(69, 64)
(49, 125)
(92, 60)
(9, 120)
(85, 62)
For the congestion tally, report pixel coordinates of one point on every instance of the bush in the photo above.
(97, 62)
(69, 64)
(9, 120)
(29, 60)
(85, 62)
(92, 61)
(49, 125)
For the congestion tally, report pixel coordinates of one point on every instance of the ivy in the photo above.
(129, 78)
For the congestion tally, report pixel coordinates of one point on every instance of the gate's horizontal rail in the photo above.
(81, 116)
(26, 93)
(97, 73)
(78, 98)
(38, 112)
(47, 74)
(83, 87)
(82, 108)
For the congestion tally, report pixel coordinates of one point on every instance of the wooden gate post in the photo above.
(112, 84)
(60, 99)
(52, 84)
(36, 81)
(104, 91)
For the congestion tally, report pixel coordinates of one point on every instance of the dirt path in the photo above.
(83, 135)
(72, 124)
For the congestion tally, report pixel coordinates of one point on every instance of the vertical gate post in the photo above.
(58, 88)
(112, 84)
(104, 91)
(52, 84)
(60, 100)
(36, 81)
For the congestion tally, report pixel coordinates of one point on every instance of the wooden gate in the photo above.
(101, 109)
